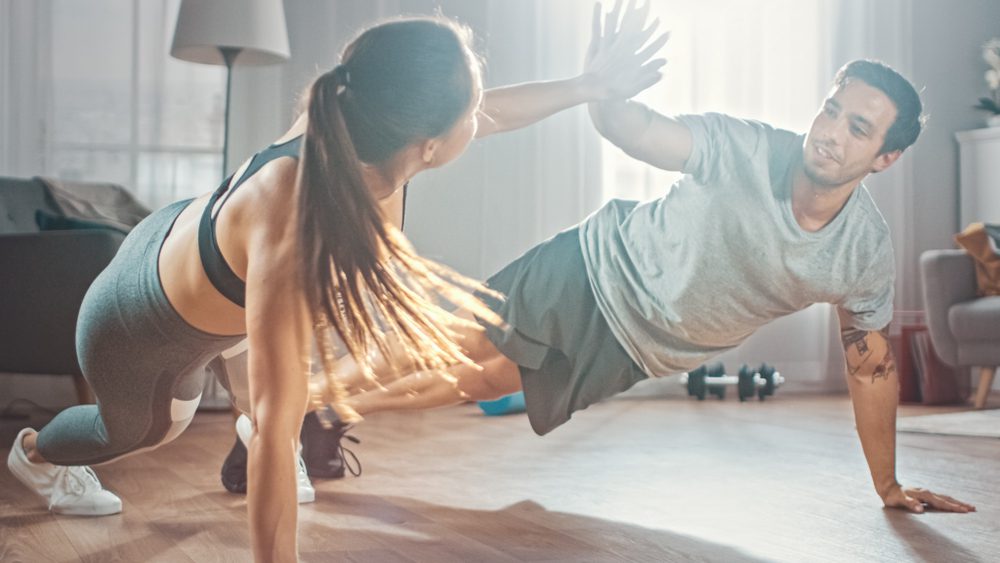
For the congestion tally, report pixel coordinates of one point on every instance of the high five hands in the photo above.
(619, 61)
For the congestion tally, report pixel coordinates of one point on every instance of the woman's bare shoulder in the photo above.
(271, 203)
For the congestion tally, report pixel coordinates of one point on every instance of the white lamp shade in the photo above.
(255, 27)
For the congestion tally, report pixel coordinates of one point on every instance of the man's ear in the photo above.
(428, 148)
(885, 160)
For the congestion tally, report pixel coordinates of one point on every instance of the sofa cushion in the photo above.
(978, 319)
(52, 222)
(19, 199)
(102, 202)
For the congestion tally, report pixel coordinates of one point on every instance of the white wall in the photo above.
(935, 43)
(946, 60)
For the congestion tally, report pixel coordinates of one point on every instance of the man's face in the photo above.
(846, 136)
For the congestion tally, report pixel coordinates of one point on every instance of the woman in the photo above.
(298, 240)
(292, 248)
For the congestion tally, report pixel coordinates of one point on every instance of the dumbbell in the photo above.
(706, 379)
(761, 381)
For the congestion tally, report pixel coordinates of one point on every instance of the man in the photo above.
(644, 289)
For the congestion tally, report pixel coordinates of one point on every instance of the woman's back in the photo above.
(266, 195)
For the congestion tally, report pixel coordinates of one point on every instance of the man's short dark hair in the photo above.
(909, 120)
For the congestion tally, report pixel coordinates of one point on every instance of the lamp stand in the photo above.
(229, 55)
(214, 396)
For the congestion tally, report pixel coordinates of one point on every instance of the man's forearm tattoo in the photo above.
(859, 352)
(855, 341)
(887, 366)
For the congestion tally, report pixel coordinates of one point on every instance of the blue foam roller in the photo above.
(508, 404)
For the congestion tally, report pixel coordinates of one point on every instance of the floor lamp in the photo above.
(226, 32)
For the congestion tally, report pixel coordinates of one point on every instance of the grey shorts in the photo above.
(568, 357)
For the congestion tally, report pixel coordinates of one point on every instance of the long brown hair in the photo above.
(398, 82)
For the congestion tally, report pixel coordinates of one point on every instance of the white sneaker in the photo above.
(306, 491)
(69, 489)
(244, 429)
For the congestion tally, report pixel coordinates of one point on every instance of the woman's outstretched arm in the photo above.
(611, 71)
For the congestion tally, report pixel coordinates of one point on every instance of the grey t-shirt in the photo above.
(694, 273)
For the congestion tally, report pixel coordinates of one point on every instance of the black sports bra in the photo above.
(216, 268)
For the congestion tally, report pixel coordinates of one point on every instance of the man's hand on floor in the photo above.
(917, 500)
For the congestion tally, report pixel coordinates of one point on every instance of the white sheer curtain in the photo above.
(507, 192)
(756, 59)
(23, 52)
(511, 191)
(96, 97)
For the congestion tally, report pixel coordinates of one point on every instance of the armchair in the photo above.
(964, 328)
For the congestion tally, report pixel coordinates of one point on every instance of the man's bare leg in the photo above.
(473, 340)
(351, 376)
(495, 376)
(499, 376)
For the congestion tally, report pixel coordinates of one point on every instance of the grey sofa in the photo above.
(964, 328)
(43, 278)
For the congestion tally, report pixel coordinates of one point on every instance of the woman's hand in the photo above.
(617, 67)
(619, 61)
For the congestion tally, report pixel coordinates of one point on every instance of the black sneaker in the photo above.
(325, 456)
(234, 469)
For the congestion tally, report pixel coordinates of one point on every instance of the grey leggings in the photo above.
(144, 363)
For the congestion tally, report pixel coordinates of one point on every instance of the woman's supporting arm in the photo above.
(279, 331)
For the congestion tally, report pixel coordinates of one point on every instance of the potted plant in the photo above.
(991, 54)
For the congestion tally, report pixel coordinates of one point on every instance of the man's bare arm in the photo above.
(618, 65)
(643, 133)
(874, 387)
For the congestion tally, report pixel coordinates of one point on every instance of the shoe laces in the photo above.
(80, 480)
(355, 469)
(303, 475)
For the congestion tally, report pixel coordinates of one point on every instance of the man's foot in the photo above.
(244, 429)
(325, 456)
(234, 469)
(69, 489)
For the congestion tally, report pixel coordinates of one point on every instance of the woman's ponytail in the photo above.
(362, 277)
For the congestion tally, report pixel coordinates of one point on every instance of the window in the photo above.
(120, 109)
(757, 59)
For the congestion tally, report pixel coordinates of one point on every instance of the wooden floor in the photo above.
(634, 479)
